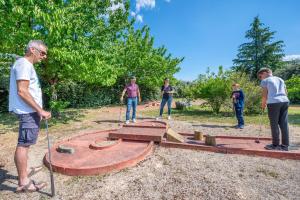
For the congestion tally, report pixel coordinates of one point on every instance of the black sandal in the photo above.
(25, 188)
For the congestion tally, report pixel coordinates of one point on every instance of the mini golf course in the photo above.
(112, 150)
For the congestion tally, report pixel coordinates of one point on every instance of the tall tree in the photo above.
(260, 51)
(89, 41)
(289, 69)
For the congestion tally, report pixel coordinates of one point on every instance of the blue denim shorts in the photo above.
(29, 125)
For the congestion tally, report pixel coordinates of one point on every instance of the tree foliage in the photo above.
(251, 90)
(289, 69)
(260, 51)
(89, 43)
(214, 88)
(293, 87)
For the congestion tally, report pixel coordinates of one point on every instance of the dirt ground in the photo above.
(166, 174)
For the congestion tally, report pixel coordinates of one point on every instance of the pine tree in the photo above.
(260, 51)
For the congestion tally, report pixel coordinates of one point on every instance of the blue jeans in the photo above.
(163, 103)
(131, 102)
(239, 115)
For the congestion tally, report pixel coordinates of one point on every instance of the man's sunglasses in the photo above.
(42, 53)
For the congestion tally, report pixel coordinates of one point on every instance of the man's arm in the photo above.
(23, 92)
(264, 98)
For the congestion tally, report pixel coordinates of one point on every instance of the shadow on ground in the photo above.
(6, 180)
(107, 121)
(6, 177)
(213, 126)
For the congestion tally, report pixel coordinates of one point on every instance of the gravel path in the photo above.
(167, 173)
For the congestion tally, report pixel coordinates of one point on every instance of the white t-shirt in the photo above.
(23, 70)
(276, 89)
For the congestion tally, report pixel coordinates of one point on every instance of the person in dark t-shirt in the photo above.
(167, 97)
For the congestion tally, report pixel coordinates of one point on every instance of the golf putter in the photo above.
(120, 116)
(120, 113)
(260, 127)
(50, 163)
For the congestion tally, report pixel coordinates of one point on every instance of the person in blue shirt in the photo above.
(238, 97)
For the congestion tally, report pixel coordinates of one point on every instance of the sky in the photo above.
(207, 33)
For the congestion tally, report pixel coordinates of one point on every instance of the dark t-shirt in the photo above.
(165, 90)
(239, 98)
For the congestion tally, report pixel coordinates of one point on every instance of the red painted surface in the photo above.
(235, 145)
(87, 161)
(143, 131)
(94, 145)
(135, 142)
(148, 124)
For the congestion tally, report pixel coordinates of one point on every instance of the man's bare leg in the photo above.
(21, 157)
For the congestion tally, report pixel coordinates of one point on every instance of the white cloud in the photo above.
(116, 6)
(133, 14)
(139, 18)
(140, 4)
(291, 57)
(144, 4)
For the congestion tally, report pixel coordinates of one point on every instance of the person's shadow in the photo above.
(213, 126)
(6, 177)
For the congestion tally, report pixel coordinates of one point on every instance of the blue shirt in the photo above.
(239, 98)
(276, 89)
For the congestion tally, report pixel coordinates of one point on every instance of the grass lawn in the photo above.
(9, 122)
(205, 114)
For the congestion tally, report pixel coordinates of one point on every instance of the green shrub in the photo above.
(251, 90)
(214, 88)
(57, 107)
(293, 87)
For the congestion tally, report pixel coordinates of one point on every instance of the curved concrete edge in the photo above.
(84, 134)
(96, 147)
(80, 135)
(227, 150)
(102, 170)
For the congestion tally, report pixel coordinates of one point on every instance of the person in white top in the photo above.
(274, 97)
(25, 100)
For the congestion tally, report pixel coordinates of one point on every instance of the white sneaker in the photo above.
(134, 120)
(127, 122)
(158, 118)
(169, 117)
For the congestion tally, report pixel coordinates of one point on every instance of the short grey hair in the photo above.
(264, 69)
(35, 44)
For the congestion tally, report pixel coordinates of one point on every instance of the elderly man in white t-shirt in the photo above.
(25, 100)
(274, 97)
